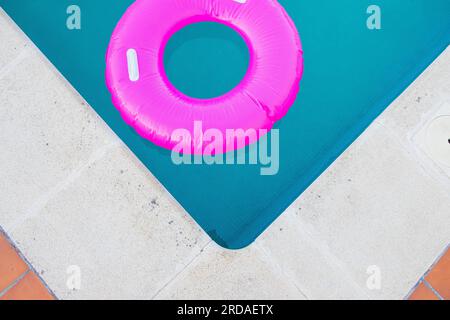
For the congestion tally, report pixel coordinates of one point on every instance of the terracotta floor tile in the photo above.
(11, 265)
(422, 292)
(29, 288)
(439, 276)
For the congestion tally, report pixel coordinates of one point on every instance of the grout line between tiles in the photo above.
(429, 286)
(181, 271)
(275, 265)
(28, 263)
(422, 279)
(16, 281)
(42, 201)
(418, 159)
(411, 291)
(23, 54)
(320, 245)
(315, 241)
(438, 258)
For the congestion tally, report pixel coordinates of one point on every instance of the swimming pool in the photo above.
(352, 73)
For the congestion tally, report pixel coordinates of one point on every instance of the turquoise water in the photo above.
(351, 75)
(198, 59)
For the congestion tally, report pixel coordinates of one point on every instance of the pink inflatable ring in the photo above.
(149, 103)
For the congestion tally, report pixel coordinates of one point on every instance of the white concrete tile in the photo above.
(116, 223)
(307, 261)
(421, 100)
(12, 40)
(374, 206)
(438, 162)
(47, 133)
(223, 274)
(409, 117)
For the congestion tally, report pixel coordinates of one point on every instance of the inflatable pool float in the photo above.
(150, 104)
